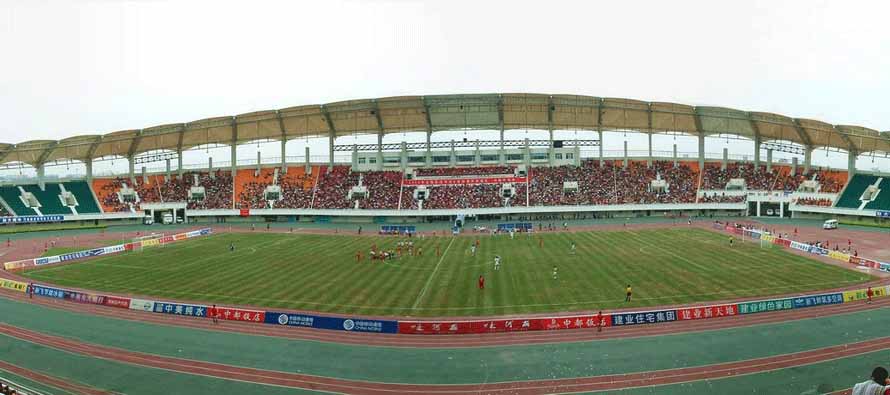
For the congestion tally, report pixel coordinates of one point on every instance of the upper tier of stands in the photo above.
(464, 171)
(106, 191)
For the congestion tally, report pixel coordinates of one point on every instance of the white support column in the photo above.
(210, 166)
(769, 159)
(258, 162)
(794, 166)
(144, 175)
(625, 154)
(403, 159)
(429, 148)
(380, 151)
(502, 157)
(478, 157)
(169, 172)
(452, 159)
(758, 208)
(600, 132)
(89, 164)
(807, 159)
(649, 160)
(41, 173)
(131, 162)
(725, 158)
(676, 163)
(354, 157)
(331, 140)
(234, 163)
(551, 153)
(528, 156)
(577, 155)
(308, 162)
(701, 151)
(757, 151)
(781, 210)
(283, 156)
(179, 169)
(851, 164)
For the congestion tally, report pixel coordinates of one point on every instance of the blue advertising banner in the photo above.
(31, 219)
(818, 300)
(40, 290)
(646, 317)
(82, 254)
(332, 323)
(180, 309)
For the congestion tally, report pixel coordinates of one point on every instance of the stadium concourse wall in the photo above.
(733, 207)
(457, 326)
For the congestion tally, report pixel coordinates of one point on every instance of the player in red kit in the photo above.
(213, 314)
(869, 293)
(481, 282)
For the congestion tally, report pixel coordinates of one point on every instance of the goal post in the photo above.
(140, 242)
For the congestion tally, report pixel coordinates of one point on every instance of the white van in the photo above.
(167, 219)
(830, 224)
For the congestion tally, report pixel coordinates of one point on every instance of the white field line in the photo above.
(432, 275)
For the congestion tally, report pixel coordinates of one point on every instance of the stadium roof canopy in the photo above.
(453, 112)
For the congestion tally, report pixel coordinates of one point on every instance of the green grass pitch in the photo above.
(320, 273)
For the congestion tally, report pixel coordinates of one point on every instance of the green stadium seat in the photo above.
(855, 187)
(49, 198)
(86, 203)
(10, 194)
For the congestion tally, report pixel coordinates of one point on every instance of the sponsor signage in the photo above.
(180, 309)
(331, 323)
(113, 301)
(818, 300)
(705, 312)
(13, 285)
(762, 306)
(227, 313)
(646, 317)
(882, 213)
(49, 292)
(142, 305)
(464, 181)
(31, 219)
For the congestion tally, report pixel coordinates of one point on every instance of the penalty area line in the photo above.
(432, 275)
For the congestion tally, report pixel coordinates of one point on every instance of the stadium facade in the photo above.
(406, 181)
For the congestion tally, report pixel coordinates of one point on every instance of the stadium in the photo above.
(387, 197)
(457, 244)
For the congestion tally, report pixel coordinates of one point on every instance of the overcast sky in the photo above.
(77, 67)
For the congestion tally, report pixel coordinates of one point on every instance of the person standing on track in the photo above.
(869, 294)
(213, 314)
(628, 293)
(599, 321)
(481, 282)
(876, 385)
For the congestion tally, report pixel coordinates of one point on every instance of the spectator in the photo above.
(878, 384)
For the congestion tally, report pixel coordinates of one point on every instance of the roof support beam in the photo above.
(46, 153)
(649, 126)
(552, 151)
(802, 134)
(850, 146)
(93, 147)
(234, 152)
(701, 139)
(501, 121)
(757, 139)
(331, 137)
(377, 115)
(283, 141)
(135, 144)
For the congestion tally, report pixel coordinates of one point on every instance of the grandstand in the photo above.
(457, 177)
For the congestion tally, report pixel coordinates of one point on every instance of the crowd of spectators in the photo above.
(464, 171)
(110, 199)
(721, 198)
(218, 190)
(465, 196)
(757, 179)
(827, 183)
(815, 202)
(611, 184)
(383, 189)
(296, 191)
(6, 389)
(333, 187)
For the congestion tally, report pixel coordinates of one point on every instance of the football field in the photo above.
(321, 272)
